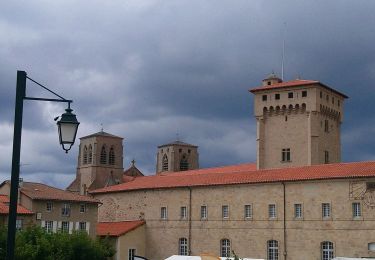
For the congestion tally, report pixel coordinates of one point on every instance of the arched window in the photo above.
(225, 248)
(165, 163)
(272, 250)
(182, 246)
(184, 165)
(111, 156)
(327, 250)
(90, 154)
(103, 155)
(85, 155)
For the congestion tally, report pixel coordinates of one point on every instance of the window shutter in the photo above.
(59, 225)
(87, 227)
(54, 228)
(77, 226)
(43, 224)
(71, 227)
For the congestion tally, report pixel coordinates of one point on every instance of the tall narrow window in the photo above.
(326, 210)
(225, 211)
(248, 212)
(203, 212)
(182, 246)
(103, 155)
(327, 250)
(272, 211)
(131, 254)
(272, 250)
(356, 209)
(49, 206)
(183, 213)
(326, 157)
(297, 210)
(165, 163)
(65, 226)
(82, 226)
(225, 248)
(48, 226)
(285, 155)
(326, 126)
(65, 210)
(184, 165)
(90, 154)
(163, 212)
(111, 160)
(85, 155)
(18, 224)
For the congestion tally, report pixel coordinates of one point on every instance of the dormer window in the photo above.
(103, 155)
(111, 156)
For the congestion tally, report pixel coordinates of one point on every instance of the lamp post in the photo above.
(68, 126)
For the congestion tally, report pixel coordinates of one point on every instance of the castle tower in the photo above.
(177, 156)
(298, 123)
(100, 162)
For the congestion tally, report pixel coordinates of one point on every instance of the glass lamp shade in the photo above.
(68, 126)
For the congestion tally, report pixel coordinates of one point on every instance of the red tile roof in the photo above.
(39, 191)
(4, 207)
(244, 174)
(295, 83)
(117, 229)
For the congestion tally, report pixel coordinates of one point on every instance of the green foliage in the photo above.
(36, 244)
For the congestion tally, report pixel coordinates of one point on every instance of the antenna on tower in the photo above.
(283, 54)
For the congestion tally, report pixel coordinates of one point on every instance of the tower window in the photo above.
(264, 97)
(285, 155)
(184, 164)
(326, 157)
(326, 126)
(321, 94)
(165, 163)
(290, 95)
(277, 96)
(103, 155)
(90, 154)
(85, 155)
(304, 93)
(111, 156)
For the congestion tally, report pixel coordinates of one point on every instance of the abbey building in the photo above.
(298, 201)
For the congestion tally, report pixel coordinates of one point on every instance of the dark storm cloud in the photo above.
(147, 70)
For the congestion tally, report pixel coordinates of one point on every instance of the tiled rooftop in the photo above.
(245, 174)
(4, 207)
(117, 229)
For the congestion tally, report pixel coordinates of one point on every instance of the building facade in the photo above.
(298, 201)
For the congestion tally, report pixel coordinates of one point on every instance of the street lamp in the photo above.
(67, 126)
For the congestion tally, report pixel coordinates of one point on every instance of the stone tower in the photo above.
(100, 162)
(177, 156)
(298, 123)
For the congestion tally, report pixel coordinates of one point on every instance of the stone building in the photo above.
(54, 209)
(298, 201)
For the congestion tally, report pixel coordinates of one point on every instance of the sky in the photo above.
(154, 71)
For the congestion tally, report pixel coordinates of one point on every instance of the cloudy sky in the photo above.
(148, 70)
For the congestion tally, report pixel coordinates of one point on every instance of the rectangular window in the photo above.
(333, 100)
(82, 226)
(65, 210)
(65, 226)
(131, 254)
(203, 212)
(49, 206)
(326, 126)
(18, 224)
(338, 102)
(248, 212)
(183, 213)
(82, 208)
(277, 96)
(321, 94)
(327, 98)
(297, 210)
(304, 93)
(285, 155)
(356, 209)
(326, 157)
(290, 95)
(48, 226)
(264, 97)
(225, 211)
(326, 210)
(272, 211)
(163, 212)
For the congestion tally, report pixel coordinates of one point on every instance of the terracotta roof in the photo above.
(101, 133)
(245, 174)
(39, 191)
(117, 229)
(294, 83)
(177, 143)
(4, 207)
